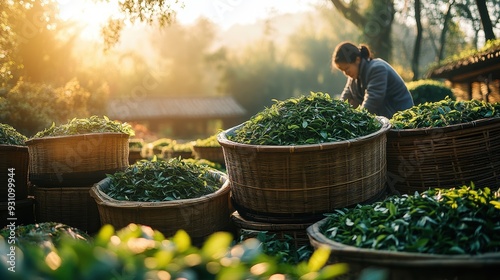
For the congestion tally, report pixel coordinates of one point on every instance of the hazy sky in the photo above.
(225, 13)
(228, 12)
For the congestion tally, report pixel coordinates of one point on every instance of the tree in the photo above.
(31, 107)
(374, 19)
(418, 42)
(31, 46)
(161, 12)
(181, 55)
(485, 20)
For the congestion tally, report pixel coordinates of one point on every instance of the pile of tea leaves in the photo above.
(93, 124)
(313, 119)
(444, 113)
(10, 136)
(163, 180)
(462, 220)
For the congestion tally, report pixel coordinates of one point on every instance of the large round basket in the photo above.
(447, 157)
(199, 217)
(405, 265)
(76, 160)
(14, 163)
(300, 183)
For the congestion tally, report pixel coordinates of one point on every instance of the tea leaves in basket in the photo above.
(10, 136)
(312, 119)
(162, 180)
(444, 113)
(93, 124)
(453, 221)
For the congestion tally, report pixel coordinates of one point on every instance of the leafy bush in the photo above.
(139, 252)
(33, 106)
(429, 91)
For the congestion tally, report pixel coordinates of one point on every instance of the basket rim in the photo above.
(83, 135)
(224, 142)
(453, 127)
(387, 257)
(104, 199)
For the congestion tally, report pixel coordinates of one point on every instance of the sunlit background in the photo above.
(58, 65)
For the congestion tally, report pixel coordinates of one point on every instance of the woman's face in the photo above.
(349, 69)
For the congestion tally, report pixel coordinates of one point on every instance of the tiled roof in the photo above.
(174, 107)
(481, 61)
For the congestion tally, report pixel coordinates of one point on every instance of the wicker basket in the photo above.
(76, 160)
(405, 265)
(72, 206)
(297, 231)
(200, 217)
(300, 183)
(16, 157)
(213, 154)
(452, 156)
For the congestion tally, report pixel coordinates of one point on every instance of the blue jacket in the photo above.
(378, 88)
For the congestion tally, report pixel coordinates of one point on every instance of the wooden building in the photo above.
(179, 117)
(473, 76)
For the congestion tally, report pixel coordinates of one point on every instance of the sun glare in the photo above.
(90, 14)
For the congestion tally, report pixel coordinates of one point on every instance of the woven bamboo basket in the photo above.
(213, 154)
(16, 157)
(199, 217)
(406, 265)
(448, 157)
(76, 160)
(301, 183)
(72, 206)
(297, 231)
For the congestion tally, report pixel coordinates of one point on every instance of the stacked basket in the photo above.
(64, 168)
(296, 185)
(14, 164)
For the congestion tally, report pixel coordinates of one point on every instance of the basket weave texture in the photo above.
(213, 154)
(199, 217)
(72, 206)
(346, 253)
(76, 160)
(289, 181)
(17, 157)
(448, 157)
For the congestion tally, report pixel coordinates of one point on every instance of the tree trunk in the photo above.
(485, 20)
(375, 23)
(418, 41)
(442, 38)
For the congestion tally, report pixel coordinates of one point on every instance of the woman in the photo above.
(372, 83)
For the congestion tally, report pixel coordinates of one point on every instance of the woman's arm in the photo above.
(347, 94)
